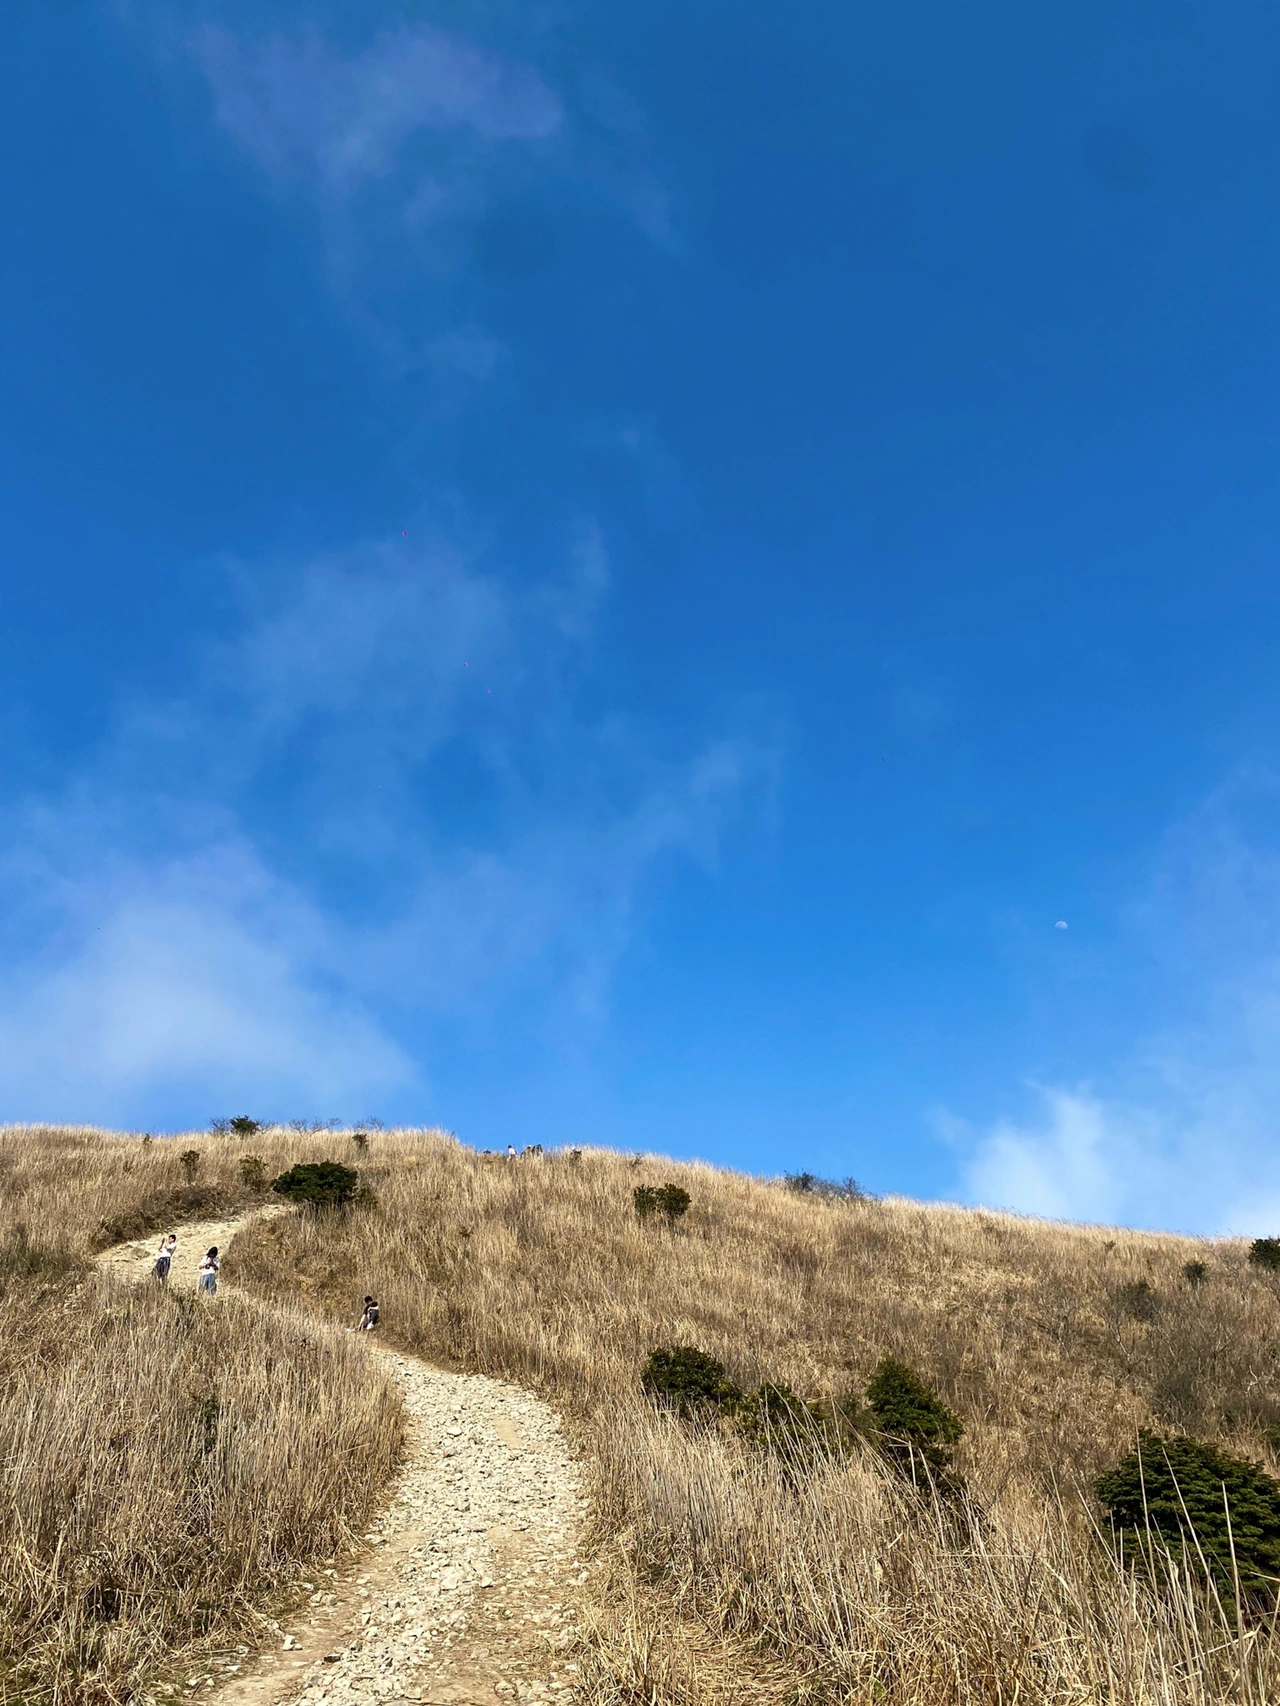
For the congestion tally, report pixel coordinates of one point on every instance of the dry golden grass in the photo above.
(167, 1465)
(726, 1581)
(729, 1583)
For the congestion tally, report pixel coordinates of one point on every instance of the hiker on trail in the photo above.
(207, 1272)
(369, 1320)
(164, 1257)
(511, 1150)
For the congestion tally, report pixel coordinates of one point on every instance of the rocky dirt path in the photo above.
(467, 1593)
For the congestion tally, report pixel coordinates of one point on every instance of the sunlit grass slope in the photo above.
(166, 1466)
(722, 1576)
(726, 1578)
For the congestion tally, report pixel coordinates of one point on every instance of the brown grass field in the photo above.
(167, 1467)
(721, 1579)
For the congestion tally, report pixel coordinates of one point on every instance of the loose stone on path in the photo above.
(468, 1592)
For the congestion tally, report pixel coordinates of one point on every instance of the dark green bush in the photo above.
(1138, 1300)
(243, 1126)
(189, 1161)
(1265, 1253)
(910, 1424)
(685, 1378)
(318, 1184)
(361, 1141)
(1170, 1499)
(780, 1420)
(1195, 1273)
(253, 1172)
(669, 1201)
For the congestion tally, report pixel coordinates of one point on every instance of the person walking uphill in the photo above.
(164, 1257)
(207, 1272)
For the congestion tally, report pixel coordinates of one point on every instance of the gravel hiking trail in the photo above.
(466, 1593)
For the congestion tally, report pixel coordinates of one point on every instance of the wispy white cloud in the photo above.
(196, 980)
(302, 109)
(376, 809)
(1183, 1130)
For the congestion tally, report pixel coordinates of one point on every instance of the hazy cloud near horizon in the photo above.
(1182, 1131)
(177, 954)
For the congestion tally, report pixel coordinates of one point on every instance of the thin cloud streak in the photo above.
(178, 952)
(302, 110)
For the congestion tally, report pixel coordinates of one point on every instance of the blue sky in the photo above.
(612, 574)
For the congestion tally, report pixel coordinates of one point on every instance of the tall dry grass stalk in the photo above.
(167, 1465)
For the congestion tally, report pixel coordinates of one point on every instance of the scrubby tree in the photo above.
(189, 1161)
(1138, 1300)
(318, 1184)
(685, 1378)
(1184, 1502)
(1195, 1273)
(253, 1172)
(831, 1190)
(669, 1201)
(1265, 1253)
(910, 1424)
(243, 1126)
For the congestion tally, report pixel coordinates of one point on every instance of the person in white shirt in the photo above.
(207, 1272)
(164, 1257)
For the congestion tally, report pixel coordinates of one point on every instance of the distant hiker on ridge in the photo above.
(511, 1150)
(369, 1320)
(207, 1272)
(164, 1258)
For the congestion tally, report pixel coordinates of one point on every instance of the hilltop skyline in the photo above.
(679, 580)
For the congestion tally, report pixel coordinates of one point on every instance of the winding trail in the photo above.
(467, 1592)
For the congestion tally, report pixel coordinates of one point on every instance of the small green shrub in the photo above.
(670, 1201)
(189, 1161)
(253, 1172)
(909, 1422)
(685, 1378)
(1265, 1253)
(243, 1126)
(1195, 1273)
(361, 1141)
(1138, 1300)
(1169, 1500)
(318, 1184)
(783, 1422)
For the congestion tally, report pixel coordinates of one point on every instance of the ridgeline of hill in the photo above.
(728, 1569)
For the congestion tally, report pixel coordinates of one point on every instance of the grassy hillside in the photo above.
(725, 1578)
(166, 1468)
(1053, 1343)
